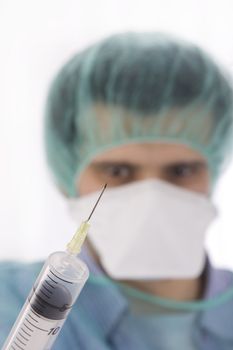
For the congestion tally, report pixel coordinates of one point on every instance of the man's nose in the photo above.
(146, 174)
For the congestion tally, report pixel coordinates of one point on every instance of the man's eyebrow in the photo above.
(201, 163)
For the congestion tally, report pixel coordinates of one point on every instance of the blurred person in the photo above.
(151, 116)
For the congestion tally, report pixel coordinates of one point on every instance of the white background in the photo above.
(36, 38)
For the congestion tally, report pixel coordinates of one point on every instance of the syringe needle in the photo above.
(74, 246)
(97, 202)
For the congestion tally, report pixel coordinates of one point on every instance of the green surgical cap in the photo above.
(132, 88)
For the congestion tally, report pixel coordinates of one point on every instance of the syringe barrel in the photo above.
(49, 303)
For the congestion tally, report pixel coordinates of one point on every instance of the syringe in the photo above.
(52, 296)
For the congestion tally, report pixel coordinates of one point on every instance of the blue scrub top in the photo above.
(101, 318)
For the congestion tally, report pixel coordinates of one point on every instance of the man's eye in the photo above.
(118, 171)
(184, 170)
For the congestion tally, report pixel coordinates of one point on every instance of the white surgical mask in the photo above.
(148, 230)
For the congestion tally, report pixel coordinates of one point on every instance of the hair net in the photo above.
(134, 87)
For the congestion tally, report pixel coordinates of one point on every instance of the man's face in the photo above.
(174, 163)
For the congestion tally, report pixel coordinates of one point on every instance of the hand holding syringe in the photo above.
(52, 297)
